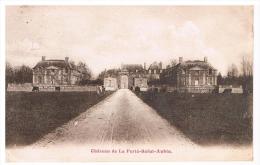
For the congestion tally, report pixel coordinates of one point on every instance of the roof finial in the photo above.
(180, 59)
(66, 59)
(205, 59)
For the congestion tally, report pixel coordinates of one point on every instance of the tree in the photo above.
(232, 71)
(247, 73)
(23, 74)
(20, 74)
(9, 74)
(109, 72)
(247, 66)
(85, 71)
(219, 79)
(173, 62)
(72, 64)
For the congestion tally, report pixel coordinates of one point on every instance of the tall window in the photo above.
(209, 80)
(196, 81)
(52, 79)
(39, 79)
(210, 71)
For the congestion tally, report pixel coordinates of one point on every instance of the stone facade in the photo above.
(128, 76)
(191, 76)
(110, 84)
(141, 83)
(186, 76)
(132, 76)
(54, 73)
(154, 71)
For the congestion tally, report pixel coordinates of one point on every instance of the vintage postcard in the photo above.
(129, 83)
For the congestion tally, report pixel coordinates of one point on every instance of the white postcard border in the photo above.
(256, 4)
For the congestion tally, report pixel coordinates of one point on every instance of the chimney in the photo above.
(66, 59)
(160, 65)
(205, 59)
(43, 58)
(180, 59)
(144, 66)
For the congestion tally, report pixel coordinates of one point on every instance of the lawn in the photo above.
(31, 115)
(207, 119)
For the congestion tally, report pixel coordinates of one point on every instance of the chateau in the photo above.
(187, 76)
(129, 76)
(54, 73)
(191, 76)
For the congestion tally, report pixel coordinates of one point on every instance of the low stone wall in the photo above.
(196, 89)
(236, 89)
(110, 88)
(79, 88)
(27, 87)
(191, 89)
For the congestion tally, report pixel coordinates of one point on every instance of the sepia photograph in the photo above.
(129, 83)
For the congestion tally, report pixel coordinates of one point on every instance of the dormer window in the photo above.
(210, 71)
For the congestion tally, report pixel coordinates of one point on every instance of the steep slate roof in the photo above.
(57, 63)
(190, 64)
(132, 67)
(111, 73)
(154, 65)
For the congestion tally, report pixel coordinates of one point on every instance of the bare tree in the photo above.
(247, 66)
(23, 74)
(233, 71)
(173, 62)
(73, 64)
(9, 74)
(247, 73)
(20, 74)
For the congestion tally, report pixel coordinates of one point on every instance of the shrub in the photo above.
(137, 89)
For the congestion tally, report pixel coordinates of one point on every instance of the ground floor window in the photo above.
(40, 79)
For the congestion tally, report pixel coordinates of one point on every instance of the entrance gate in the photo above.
(124, 82)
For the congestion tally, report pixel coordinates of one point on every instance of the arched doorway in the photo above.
(124, 82)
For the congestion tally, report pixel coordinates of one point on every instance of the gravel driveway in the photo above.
(121, 118)
(126, 125)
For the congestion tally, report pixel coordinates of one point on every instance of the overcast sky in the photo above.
(105, 37)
